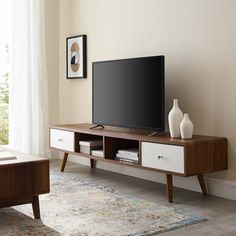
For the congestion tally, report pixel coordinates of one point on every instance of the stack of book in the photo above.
(89, 145)
(97, 153)
(127, 155)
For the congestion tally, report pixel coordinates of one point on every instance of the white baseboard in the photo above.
(221, 188)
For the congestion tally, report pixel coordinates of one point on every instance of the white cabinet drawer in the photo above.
(62, 139)
(163, 157)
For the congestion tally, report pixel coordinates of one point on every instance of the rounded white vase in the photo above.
(186, 127)
(175, 117)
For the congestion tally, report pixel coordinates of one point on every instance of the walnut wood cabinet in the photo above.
(23, 179)
(171, 156)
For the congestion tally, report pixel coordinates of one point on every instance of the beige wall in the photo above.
(52, 31)
(198, 38)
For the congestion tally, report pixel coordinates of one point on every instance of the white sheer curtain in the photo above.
(28, 108)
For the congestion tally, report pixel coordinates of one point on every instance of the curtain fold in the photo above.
(28, 100)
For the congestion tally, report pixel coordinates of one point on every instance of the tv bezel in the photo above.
(161, 129)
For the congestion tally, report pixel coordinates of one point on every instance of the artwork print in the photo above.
(76, 57)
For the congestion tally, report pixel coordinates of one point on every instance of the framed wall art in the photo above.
(76, 57)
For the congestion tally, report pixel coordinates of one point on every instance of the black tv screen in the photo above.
(129, 93)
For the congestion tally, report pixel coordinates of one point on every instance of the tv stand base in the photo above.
(159, 153)
(97, 126)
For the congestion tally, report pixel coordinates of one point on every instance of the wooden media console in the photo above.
(160, 152)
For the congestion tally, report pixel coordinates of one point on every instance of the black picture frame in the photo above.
(76, 57)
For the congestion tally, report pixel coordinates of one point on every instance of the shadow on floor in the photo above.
(12, 222)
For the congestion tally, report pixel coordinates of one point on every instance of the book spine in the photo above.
(126, 157)
(133, 154)
(126, 160)
(85, 149)
(91, 144)
(97, 153)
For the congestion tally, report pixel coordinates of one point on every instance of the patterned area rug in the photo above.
(75, 207)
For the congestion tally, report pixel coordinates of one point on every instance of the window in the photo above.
(5, 66)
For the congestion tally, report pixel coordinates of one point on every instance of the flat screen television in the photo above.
(129, 93)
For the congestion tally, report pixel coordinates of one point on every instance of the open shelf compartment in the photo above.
(86, 143)
(113, 145)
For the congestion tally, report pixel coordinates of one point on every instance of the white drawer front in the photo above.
(62, 139)
(163, 157)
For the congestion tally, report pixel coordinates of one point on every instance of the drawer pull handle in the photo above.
(159, 157)
(60, 140)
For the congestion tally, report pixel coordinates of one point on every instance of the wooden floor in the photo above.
(221, 213)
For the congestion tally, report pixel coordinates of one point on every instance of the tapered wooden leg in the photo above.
(169, 187)
(202, 184)
(64, 161)
(92, 163)
(35, 206)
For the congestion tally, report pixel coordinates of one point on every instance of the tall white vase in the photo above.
(175, 117)
(186, 127)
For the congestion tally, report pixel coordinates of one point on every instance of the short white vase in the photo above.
(186, 127)
(175, 117)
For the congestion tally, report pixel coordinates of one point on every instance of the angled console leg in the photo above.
(92, 163)
(35, 206)
(202, 184)
(64, 161)
(169, 187)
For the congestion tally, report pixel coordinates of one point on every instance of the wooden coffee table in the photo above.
(22, 180)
